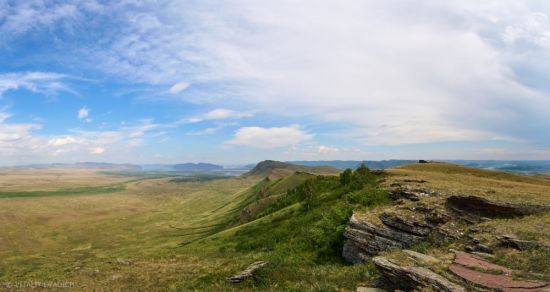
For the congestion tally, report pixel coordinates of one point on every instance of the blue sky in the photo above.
(236, 82)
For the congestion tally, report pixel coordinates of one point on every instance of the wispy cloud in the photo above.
(219, 114)
(384, 73)
(178, 87)
(211, 130)
(273, 137)
(40, 82)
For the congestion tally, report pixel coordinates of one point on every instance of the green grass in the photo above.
(181, 236)
(65, 192)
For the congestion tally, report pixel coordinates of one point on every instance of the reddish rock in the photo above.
(500, 282)
(472, 261)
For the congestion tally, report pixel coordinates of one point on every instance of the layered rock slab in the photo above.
(411, 278)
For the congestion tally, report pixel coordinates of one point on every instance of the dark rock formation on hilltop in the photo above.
(474, 206)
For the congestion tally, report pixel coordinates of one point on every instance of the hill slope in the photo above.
(277, 169)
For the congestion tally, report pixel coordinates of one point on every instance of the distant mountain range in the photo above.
(515, 166)
(197, 167)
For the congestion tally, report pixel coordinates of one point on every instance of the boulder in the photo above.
(411, 278)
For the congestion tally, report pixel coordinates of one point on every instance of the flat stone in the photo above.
(472, 261)
(247, 273)
(501, 282)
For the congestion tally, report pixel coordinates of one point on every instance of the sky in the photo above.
(239, 81)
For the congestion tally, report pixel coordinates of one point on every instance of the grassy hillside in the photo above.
(157, 234)
(277, 169)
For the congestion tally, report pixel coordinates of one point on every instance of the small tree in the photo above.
(345, 177)
(362, 169)
(360, 177)
(308, 194)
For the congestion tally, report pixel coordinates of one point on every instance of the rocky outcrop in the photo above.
(366, 239)
(395, 229)
(483, 208)
(412, 278)
(247, 273)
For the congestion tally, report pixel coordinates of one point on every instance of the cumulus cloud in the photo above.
(19, 143)
(270, 137)
(84, 114)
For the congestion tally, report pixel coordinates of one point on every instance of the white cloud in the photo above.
(178, 87)
(22, 16)
(97, 150)
(211, 130)
(84, 113)
(220, 114)
(270, 137)
(429, 72)
(19, 144)
(324, 152)
(40, 82)
(63, 141)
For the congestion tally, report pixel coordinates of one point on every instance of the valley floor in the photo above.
(141, 238)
